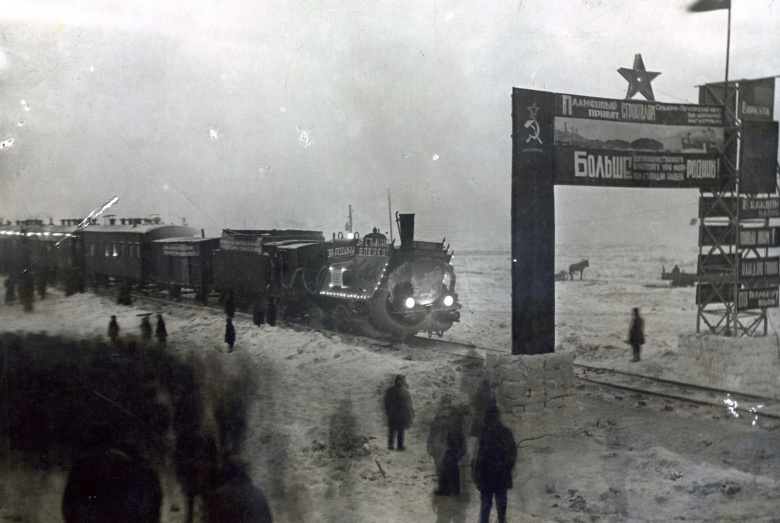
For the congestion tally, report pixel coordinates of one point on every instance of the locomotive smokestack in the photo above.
(406, 230)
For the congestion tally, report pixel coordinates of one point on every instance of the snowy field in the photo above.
(315, 432)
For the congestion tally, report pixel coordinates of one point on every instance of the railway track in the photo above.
(738, 403)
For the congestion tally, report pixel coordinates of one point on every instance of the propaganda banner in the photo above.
(748, 236)
(758, 170)
(629, 143)
(748, 208)
(757, 99)
(757, 298)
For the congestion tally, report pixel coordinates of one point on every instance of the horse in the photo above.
(577, 267)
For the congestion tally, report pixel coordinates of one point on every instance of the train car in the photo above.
(185, 263)
(398, 290)
(260, 268)
(123, 252)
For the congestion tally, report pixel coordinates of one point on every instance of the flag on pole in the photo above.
(700, 6)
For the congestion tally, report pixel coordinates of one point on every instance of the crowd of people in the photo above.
(494, 453)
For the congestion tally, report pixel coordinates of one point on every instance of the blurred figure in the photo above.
(230, 333)
(230, 303)
(10, 290)
(636, 333)
(447, 445)
(399, 410)
(449, 471)
(146, 329)
(160, 331)
(234, 498)
(496, 455)
(113, 329)
(124, 297)
(107, 484)
(27, 290)
(41, 283)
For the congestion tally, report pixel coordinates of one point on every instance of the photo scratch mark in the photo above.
(304, 136)
(6, 144)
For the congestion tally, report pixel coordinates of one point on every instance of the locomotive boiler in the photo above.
(399, 290)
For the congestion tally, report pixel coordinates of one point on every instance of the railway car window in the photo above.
(123, 250)
(107, 249)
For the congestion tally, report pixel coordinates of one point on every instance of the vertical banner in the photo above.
(757, 99)
(758, 169)
(533, 222)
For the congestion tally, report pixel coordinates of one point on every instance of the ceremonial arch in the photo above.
(728, 154)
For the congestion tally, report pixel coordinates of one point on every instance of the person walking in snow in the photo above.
(230, 333)
(636, 333)
(160, 331)
(399, 410)
(10, 290)
(113, 330)
(492, 474)
(146, 329)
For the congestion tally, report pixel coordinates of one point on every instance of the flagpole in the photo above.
(728, 45)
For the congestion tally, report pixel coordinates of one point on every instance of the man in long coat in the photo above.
(230, 333)
(161, 332)
(399, 410)
(493, 466)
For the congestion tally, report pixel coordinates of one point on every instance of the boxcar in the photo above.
(255, 265)
(185, 263)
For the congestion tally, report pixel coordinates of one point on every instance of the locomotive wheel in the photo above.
(382, 317)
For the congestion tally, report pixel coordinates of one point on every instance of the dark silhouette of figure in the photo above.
(108, 484)
(636, 333)
(258, 315)
(449, 471)
(230, 333)
(113, 329)
(676, 269)
(233, 497)
(41, 283)
(496, 455)
(124, 297)
(230, 303)
(146, 329)
(160, 331)
(447, 446)
(399, 410)
(10, 290)
(27, 290)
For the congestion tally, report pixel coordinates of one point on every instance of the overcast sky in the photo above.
(264, 114)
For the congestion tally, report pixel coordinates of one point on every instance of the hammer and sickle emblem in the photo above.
(534, 126)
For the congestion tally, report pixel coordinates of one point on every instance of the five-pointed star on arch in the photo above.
(638, 79)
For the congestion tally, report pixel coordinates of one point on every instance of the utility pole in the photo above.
(390, 214)
(349, 223)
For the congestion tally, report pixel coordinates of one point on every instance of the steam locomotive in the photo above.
(356, 284)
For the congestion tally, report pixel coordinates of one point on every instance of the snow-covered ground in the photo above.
(602, 457)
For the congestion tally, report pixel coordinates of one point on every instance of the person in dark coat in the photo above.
(230, 333)
(111, 484)
(449, 471)
(399, 410)
(230, 304)
(636, 333)
(160, 331)
(27, 291)
(496, 455)
(146, 329)
(234, 498)
(113, 329)
(10, 290)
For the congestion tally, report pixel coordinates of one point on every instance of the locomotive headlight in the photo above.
(448, 301)
(409, 302)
